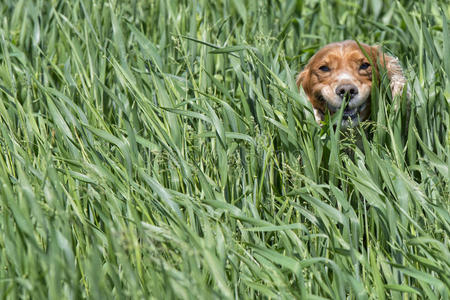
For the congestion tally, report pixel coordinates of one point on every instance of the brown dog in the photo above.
(342, 73)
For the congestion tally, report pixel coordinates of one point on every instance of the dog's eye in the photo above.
(324, 68)
(364, 66)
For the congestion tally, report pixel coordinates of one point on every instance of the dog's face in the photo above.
(341, 74)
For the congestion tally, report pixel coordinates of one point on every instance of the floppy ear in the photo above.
(301, 77)
(394, 73)
(303, 80)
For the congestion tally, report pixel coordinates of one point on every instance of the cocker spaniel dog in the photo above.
(342, 74)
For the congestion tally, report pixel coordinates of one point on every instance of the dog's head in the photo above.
(342, 74)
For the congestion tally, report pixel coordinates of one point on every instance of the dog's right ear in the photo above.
(302, 79)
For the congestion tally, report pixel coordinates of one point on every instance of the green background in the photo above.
(161, 149)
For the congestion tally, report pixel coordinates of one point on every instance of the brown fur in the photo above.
(344, 64)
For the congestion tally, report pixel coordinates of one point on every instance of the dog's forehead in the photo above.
(348, 49)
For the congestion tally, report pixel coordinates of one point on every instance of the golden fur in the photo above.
(342, 73)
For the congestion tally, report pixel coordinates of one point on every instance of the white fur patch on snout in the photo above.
(344, 76)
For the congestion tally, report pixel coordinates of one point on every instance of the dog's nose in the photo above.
(347, 89)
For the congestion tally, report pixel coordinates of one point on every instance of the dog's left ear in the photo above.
(394, 72)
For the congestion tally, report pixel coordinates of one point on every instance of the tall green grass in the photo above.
(161, 149)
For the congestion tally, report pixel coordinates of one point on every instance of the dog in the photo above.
(342, 73)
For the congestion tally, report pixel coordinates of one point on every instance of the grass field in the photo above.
(161, 150)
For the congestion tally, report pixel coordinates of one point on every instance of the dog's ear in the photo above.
(394, 72)
(303, 80)
(301, 77)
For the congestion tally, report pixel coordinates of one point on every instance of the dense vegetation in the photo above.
(161, 149)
